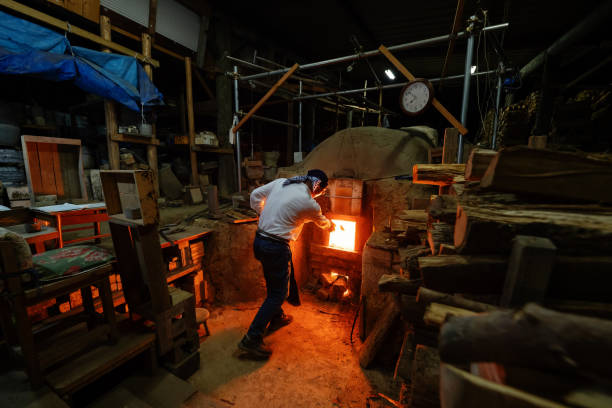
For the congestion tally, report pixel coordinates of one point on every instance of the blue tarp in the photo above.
(29, 49)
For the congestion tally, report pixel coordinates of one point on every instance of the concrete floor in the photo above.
(313, 364)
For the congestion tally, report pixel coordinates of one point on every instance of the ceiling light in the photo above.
(473, 69)
(390, 74)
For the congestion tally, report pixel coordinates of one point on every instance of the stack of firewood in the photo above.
(520, 225)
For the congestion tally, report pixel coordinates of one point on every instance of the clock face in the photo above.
(415, 97)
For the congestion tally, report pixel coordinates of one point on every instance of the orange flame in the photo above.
(343, 237)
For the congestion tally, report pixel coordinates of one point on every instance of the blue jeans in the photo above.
(275, 258)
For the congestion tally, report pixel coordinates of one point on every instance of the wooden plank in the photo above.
(435, 103)
(152, 18)
(193, 159)
(146, 243)
(451, 146)
(47, 174)
(69, 346)
(120, 137)
(91, 10)
(529, 269)
(74, 30)
(547, 173)
(70, 162)
(92, 365)
(110, 114)
(76, 6)
(53, 140)
(32, 166)
(148, 197)
(57, 171)
(437, 174)
(379, 333)
(268, 94)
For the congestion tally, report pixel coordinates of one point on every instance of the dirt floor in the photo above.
(313, 364)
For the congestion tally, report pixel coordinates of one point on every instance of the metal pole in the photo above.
(384, 87)
(466, 85)
(236, 110)
(497, 101)
(270, 120)
(300, 121)
(368, 54)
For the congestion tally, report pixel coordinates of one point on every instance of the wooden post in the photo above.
(110, 115)
(451, 145)
(191, 123)
(151, 148)
(529, 269)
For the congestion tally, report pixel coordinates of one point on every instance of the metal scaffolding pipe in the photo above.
(368, 54)
(300, 121)
(586, 26)
(236, 110)
(270, 120)
(497, 102)
(384, 87)
(469, 55)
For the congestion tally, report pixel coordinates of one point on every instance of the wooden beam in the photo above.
(151, 148)
(202, 82)
(110, 114)
(451, 145)
(152, 18)
(125, 138)
(266, 97)
(66, 27)
(195, 180)
(435, 103)
(155, 46)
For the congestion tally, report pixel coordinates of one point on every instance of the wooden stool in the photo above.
(202, 316)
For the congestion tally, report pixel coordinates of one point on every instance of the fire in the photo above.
(343, 237)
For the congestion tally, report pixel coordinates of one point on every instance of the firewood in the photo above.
(547, 173)
(530, 337)
(426, 296)
(436, 313)
(447, 249)
(419, 203)
(460, 389)
(438, 174)
(408, 260)
(529, 269)
(490, 229)
(399, 284)
(425, 386)
(414, 218)
(443, 208)
(477, 163)
(459, 273)
(377, 337)
(437, 234)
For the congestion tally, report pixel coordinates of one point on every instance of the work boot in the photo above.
(255, 348)
(278, 322)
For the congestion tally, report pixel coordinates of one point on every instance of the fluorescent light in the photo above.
(390, 74)
(473, 69)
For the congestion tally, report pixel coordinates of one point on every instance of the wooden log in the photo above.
(531, 263)
(437, 174)
(436, 313)
(426, 296)
(490, 229)
(460, 389)
(546, 173)
(531, 337)
(409, 260)
(399, 284)
(439, 233)
(419, 203)
(477, 163)
(376, 339)
(425, 378)
(403, 367)
(467, 274)
(443, 208)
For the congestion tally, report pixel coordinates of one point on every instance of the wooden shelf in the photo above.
(121, 137)
(219, 150)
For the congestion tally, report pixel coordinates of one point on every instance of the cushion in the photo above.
(70, 260)
(23, 255)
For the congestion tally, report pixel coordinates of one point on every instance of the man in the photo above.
(283, 205)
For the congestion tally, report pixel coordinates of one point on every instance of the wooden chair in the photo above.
(56, 339)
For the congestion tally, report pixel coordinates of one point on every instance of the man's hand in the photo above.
(332, 226)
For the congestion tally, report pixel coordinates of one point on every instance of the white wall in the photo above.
(174, 21)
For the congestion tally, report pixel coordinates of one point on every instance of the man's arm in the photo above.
(259, 195)
(315, 215)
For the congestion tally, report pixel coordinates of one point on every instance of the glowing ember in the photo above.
(343, 237)
(346, 293)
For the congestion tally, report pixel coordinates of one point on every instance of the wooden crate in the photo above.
(130, 196)
(54, 166)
